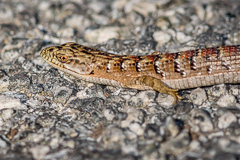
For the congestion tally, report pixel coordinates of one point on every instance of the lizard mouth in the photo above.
(43, 54)
(46, 54)
(50, 58)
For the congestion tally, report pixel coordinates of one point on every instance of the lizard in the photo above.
(166, 73)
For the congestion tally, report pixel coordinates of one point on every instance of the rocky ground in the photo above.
(46, 114)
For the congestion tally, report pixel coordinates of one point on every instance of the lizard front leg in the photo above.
(157, 85)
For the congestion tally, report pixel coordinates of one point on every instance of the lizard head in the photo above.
(69, 57)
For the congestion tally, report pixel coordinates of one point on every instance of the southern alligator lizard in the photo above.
(166, 73)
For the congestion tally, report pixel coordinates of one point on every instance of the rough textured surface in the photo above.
(45, 114)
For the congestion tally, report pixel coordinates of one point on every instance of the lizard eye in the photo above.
(63, 58)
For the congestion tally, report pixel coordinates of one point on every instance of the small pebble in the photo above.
(38, 152)
(171, 126)
(226, 120)
(10, 56)
(143, 98)
(62, 94)
(143, 8)
(217, 90)
(163, 24)
(165, 100)
(134, 115)
(9, 102)
(4, 83)
(109, 114)
(200, 121)
(181, 37)
(226, 100)
(66, 32)
(161, 37)
(136, 128)
(96, 6)
(102, 35)
(3, 144)
(6, 114)
(78, 22)
(195, 145)
(54, 143)
(112, 134)
(198, 96)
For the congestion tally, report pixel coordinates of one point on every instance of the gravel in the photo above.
(46, 114)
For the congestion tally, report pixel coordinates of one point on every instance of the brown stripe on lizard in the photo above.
(165, 73)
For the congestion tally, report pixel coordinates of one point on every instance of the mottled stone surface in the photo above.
(46, 114)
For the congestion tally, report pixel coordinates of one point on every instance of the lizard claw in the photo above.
(159, 86)
(175, 95)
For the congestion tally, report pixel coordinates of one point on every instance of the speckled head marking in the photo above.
(69, 56)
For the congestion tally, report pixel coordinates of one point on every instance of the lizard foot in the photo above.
(159, 86)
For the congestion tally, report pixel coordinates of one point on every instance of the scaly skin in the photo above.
(165, 73)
